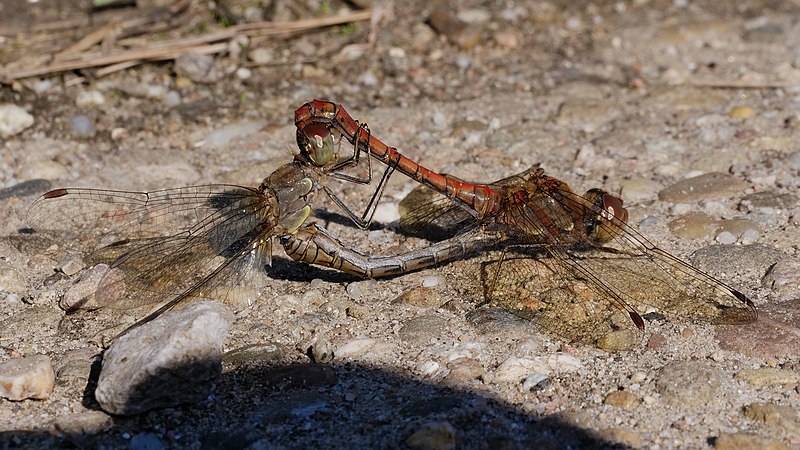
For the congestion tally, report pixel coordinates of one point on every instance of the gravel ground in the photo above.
(687, 110)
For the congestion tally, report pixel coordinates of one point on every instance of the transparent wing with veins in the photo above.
(168, 244)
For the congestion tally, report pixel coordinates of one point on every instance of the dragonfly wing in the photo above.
(167, 244)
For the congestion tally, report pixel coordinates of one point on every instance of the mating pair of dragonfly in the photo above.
(569, 262)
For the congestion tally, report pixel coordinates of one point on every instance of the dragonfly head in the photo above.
(609, 218)
(317, 144)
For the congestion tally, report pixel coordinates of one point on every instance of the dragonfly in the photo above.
(571, 263)
(173, 246)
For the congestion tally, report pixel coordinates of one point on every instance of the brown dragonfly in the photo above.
(212, 241)
(570, 262)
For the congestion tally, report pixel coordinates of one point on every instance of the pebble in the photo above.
(709, 185)
(85, 423)
(636, 190)
(433, 436)
(259, 353)
(742, 112)
(322, 352)
(148, 368)
(429, 369)
(90, 98)
(198, 67)
(81, 295)
(423, 329)
(535, 382)
(693, 225)
(24, 378)
(260, 56)
(463, 370)
(354, 348)
(386, 212)
(622, 399)
(768, 376)
(43, 169)
(767, 336)
(460, 33)
(423, 297)
(13, 120)
(781, 416)
(746, 441)
(430, 282)
(243, 73)
(72, 266)
(784, 278)
(11, 281)
(688, 384)
(82, 126)
(76, 368)
(515, 370)
(619, 340)
(726, 238)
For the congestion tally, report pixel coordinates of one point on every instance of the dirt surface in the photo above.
(634, 97)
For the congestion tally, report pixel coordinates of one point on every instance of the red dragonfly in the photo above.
(601, 274)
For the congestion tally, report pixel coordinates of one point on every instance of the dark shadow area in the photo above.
(307, 405)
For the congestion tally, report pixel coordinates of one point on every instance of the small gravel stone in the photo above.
(243, 73)
(726, 238)
(710, 185)
(422, 297)
(13, 120)
(619, 340)
(784, 278)
(148, 368)
(461, 34)
(464, 370)
(433, 436)
(82, 126)
(354, 348)
(742, 112)
(81, 295)
(767, 336)
(746, 441)
(260, 56)
(386, 212)
(768, 376)
(198, 67)
(535, 381)
(24, 378)
(90, 98)
(688, 384)
(263, 353)
(622, 399)
(11, 280)
(693, 225)
(87, 423)
(430, 282)
(639, 189)
(423, 329)
(749, 236)
(782, 416)
(72, 266)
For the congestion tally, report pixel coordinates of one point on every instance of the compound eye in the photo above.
(319, 146)
(613, 209)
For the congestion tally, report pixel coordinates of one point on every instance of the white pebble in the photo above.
(430, 282)
(428, 368)
(438, 118)
(243, 73)
(750, 236)
(726, 237)
(13, 120)
(354, 348)
(386, 212)
(532, 381)
(90, 98)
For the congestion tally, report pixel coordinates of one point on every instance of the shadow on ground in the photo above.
(326, 406)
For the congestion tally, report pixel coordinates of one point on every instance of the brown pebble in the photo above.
(622, 399)
(420, 296)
